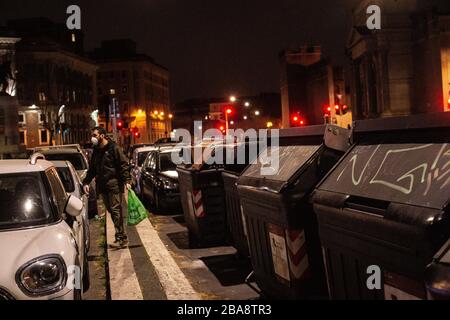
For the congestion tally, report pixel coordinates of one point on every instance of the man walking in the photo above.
(109, 166)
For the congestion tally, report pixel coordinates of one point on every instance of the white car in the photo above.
(139, 156)
(73, 185)
(81, 164)
(40, 228)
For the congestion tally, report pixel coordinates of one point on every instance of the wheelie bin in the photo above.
(383, 211)
(203, 198)
(281, 227)
(235, 218)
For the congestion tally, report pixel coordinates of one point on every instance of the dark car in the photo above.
(136, 146)
(159, 181)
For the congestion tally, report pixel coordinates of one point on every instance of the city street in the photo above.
(225, 151)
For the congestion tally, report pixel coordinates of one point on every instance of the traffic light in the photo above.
(298, 121)
(120, 124)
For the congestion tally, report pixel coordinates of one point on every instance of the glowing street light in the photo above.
(170, 116)
(231, 122)
(269, 124)
(245, 117)
(156, 112)
(247, 104)
(232, 99)
(257, 113)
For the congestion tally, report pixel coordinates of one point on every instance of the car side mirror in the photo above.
(74, 206)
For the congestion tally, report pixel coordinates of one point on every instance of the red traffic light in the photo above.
(120, 124)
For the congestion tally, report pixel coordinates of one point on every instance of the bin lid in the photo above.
(231, 157)
(291, 160)
(409, 173)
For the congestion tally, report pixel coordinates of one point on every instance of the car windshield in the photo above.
(24, 201)
(165, 162)
(76, 159)
(141, 157)
(66, 178)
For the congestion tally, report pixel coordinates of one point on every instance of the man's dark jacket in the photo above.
(110, 167)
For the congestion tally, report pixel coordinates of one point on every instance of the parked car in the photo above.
(73, 185)
(137, 146)
(78, 159)
(139, 156)
(41, 233)
(159, 181)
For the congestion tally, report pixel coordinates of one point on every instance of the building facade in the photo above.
(310, 88)
(404, 67)
(56, 85)
(141, 88)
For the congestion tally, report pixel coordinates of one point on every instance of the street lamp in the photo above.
(232, 99)
(245, 117)
(257, 113)
(170, 116)
(247, 104)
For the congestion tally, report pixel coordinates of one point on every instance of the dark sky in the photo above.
(212, 47)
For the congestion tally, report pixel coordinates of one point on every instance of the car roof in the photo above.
(145, 149)
(59, 151)
(61, 163)
(22, 166)
(169, 150)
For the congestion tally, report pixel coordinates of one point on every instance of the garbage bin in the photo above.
(235, 217)
(281, 227)
(203, 201)
(383, 211)
(437, 275)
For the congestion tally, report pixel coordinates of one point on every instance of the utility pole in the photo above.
(113, 112)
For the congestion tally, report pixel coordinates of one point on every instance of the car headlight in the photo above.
(42, 276)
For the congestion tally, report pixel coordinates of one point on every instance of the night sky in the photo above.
(212, 48)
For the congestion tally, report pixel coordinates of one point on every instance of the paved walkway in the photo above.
(145, 270)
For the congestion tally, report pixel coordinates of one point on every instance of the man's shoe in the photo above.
(123, 244)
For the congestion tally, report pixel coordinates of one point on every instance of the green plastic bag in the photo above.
(136, 210)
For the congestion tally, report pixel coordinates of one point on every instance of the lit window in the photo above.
(74, 37)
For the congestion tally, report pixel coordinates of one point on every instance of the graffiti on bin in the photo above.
(409, 170)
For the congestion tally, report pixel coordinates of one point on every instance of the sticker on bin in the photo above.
(279, 253)
(289, 256)
(398, 287)
(196, 204)
(298, 258)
